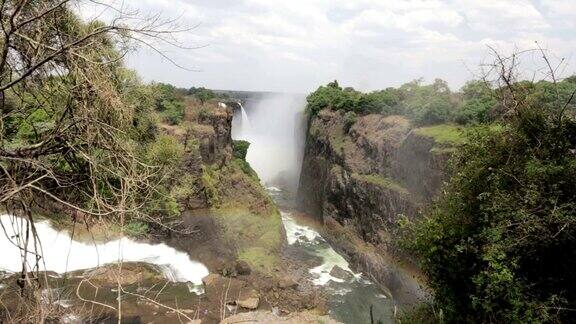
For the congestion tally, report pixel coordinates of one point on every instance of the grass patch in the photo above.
(380, 181)
(258, 238)
(339, 140)
(259, 259)
(444, 133)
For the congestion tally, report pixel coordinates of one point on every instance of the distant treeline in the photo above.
(169, 100)
(434, 103)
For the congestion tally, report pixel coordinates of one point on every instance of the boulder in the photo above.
(249, 303)
(338, 272)
(210, 279)
(242, 268)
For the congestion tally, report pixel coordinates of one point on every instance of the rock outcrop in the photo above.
(361, 181)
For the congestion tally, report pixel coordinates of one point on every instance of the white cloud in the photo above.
(365, 43)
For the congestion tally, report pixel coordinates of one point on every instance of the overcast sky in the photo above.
(296, 45)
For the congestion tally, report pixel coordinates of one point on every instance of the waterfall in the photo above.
(245, 121)
(275, 132)
(61, 254)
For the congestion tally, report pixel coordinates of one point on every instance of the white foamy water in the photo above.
(276, 132)
(296, 233)
(61, 254)
(330, 260)
(245, 120)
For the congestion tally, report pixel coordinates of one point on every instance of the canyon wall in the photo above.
(362, 179)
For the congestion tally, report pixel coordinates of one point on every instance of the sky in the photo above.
(297, 45)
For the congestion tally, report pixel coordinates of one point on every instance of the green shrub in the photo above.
(500, 246)
(477, 101)
(169, 102)
(165, 151)
(202, 94)
(246, 168)
(240, 148)
(136, 228)
(349, 120)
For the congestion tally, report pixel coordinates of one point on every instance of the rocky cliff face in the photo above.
(361, 181)
(369, 176)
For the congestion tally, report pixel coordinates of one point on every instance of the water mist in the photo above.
(275, 127)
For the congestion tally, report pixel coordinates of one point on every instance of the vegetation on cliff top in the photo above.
(428, 104)
(381, 181)
(443, 134)
(499, 246)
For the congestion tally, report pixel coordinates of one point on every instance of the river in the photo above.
(350, 298)
(275, 128)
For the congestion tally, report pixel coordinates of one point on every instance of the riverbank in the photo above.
(164, 283)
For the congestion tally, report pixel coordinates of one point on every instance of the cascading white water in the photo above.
(62, 254)
(245, 121)
(352, 298)
(274, 128)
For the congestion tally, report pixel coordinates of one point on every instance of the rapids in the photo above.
(61, 253)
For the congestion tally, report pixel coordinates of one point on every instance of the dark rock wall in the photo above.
(371, 175)
(215, 135)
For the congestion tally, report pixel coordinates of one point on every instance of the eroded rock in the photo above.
(338, 272)
(249, 303)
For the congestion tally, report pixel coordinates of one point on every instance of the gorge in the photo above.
(133, 191)
(233, 237)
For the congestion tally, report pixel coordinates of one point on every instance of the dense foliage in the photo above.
(202, 93)
(169, 102)
(241, 149)
(435, 103)
(500, 246)
(78, 131)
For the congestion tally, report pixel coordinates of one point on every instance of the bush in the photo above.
(202, 94)
(169, 102)
(136, 228)
(385, 102)
(500, 246)
(477, 101)
(349, 120)
(165, 151)
(240, 149)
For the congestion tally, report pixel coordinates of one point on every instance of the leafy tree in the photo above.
(477, 101)
(241, 149)
(73, 122)
(427, 104)
(331, 97)
(169, 102)
(386, 102)
(202, 94)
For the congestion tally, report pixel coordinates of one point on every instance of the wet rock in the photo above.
(210, 279)
(234, 268)
(340, 273)
(228, 271)
(249, 303)
(242, 268)
(217, 286)
(132, 272)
